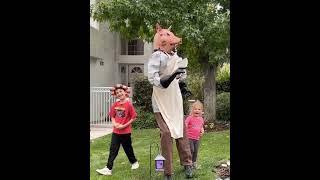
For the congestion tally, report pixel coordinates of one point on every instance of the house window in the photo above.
(136, 70)
(123, 74)
(132, 47)
(123, 69)
(129, 72)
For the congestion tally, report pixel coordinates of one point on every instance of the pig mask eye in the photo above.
(168, 34)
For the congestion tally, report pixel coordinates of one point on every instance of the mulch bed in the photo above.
(222, 170)
(216, 126)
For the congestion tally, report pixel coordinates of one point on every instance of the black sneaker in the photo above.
(188, 171)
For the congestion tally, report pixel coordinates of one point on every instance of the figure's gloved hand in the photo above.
(166, 80)
(185, 92)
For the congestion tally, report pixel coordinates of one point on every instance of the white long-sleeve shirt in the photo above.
(156, 65)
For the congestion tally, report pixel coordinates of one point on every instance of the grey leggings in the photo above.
(194, 146)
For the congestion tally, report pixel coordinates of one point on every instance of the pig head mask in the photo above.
(165, 40)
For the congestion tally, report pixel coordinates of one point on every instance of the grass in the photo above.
(215, 146)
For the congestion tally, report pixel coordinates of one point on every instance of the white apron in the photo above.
(169, 101)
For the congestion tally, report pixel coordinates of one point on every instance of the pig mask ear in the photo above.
(158, 27)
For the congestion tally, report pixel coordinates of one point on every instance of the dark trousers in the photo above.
(116, 141)
(167, 147)
(194, 146)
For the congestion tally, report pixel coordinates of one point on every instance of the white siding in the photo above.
(102, 47)
(105, 46)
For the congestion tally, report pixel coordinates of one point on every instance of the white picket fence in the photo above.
(100, 103)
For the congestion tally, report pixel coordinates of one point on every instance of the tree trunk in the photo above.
(209, 88)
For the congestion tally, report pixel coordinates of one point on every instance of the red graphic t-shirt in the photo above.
(122, 114)
(194, 125)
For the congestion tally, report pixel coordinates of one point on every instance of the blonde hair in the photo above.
(194, 105)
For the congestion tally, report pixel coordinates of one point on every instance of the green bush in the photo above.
(223, 106)
(223, 78)
(195, 85)
(223, 86)
(223, 73)
(142, 93)
(145, 120)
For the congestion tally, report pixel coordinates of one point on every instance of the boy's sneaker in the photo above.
(135, 165)
(105, 171)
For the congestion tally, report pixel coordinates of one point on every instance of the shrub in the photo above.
(223, 86)
(195, 85)
(142, 93)
(223, 78)
(223, 73)
(145, 120)
(223, 106)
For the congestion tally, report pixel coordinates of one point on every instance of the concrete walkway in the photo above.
(96, 132)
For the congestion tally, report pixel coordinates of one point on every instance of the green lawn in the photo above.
(214, 146)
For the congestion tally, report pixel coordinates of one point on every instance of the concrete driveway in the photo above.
(96, 132)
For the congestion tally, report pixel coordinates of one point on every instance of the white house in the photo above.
(112, 60)
(115, 60)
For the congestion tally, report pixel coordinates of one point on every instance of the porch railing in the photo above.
(101, 101)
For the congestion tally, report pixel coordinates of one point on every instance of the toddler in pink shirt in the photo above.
(194, 125)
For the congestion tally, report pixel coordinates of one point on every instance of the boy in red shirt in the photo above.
(122, 114)
(194, 125)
